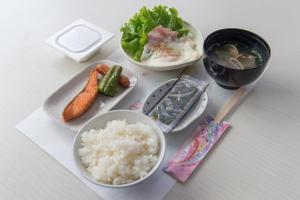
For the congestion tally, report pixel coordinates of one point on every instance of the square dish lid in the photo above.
(80, 40)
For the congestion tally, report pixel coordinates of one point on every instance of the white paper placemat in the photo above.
(57, 140)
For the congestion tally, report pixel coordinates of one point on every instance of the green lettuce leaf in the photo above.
(135, 31)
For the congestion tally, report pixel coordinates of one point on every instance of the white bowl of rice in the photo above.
(119, 149)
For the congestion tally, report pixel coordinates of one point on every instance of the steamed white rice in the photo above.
(120, 153)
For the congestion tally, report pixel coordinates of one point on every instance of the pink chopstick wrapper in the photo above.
(193, 151)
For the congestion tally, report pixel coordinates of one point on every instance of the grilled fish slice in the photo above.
(84, 100)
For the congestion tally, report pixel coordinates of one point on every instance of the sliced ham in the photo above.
(160, 34)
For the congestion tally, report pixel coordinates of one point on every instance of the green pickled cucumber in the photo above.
(109, 83)
(105, 80)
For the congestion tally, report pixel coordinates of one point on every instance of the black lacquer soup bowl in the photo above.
(225, 76)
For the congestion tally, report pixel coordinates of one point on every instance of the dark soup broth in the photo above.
(235, 55)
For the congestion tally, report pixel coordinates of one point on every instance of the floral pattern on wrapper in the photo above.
(190, 155)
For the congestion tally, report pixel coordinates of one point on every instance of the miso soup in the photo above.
(235, 55)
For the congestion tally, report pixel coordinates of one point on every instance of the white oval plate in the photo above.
(100, 122)
(193, 114)
(55, 103)
(196, 36)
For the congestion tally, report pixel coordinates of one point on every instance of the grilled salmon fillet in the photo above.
(84, 100)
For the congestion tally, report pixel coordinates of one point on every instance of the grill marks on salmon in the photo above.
(84, 100)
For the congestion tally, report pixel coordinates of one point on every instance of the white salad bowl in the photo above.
(196, 37)
(100, 122)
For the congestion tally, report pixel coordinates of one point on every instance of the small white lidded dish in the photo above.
(80, 40)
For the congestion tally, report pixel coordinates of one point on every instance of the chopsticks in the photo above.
(227, 107)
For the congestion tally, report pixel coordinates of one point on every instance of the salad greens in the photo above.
(135, 31)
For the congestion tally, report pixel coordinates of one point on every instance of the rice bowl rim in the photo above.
(104, 118)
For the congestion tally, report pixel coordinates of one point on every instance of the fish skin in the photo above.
(84, 100)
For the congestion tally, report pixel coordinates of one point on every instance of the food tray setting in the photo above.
(57, 139)
(120, 122)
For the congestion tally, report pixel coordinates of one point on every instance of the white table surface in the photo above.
(258, 159)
